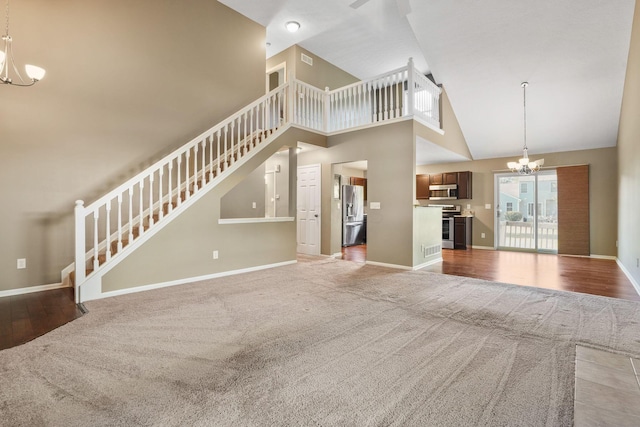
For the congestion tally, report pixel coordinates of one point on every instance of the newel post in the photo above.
(411, 98)
(326, 104)
(80, 273)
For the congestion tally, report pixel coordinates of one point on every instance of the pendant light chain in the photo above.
(524, 97)
(7, 18)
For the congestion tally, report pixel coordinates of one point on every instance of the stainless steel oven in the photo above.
(447, 232)
(448, 212)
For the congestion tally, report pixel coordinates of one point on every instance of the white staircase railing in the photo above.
(107, 226)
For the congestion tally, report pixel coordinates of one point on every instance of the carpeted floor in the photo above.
(322, 342)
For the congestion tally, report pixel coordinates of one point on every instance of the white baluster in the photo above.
(187, 178)
(179, 180)
(108, 231)
(151, 200)
(203, 160)
(170, 189)
(160, 195)
(130, 214)
(218, 153)
(80, 250)
(141, 209)
(411, 95)
(196, 187)
(96, 263)
(119, 222)
(210, 139)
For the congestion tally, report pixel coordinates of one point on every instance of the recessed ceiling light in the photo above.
(292, 26)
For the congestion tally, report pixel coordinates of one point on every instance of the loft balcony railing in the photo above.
(116, 222)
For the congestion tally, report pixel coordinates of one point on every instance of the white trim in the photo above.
(484, 248)
(428, 263)
(613, 258)
(255, 220)
(427, 124)
(191, 280)
(337, 255)
(382, 264)
(629, 276)
(31, 289)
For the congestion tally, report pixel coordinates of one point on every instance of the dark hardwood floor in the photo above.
(586, 275)
(25, 317)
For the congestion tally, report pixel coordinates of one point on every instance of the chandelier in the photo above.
(524, 166)
(7, 63)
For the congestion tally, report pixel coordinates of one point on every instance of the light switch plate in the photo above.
(374, 205)
(487, 206)
(22, 263)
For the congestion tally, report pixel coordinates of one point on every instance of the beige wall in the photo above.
(629, 160)
(126, 82)
(321, 74)
(390, 152)
(602, 184)
(452, 139)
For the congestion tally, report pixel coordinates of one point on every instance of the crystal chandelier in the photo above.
(524, 166)
(7, 63)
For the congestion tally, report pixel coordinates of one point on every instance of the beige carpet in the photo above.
(323, 343)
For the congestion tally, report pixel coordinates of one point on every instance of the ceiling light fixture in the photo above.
(292, 26)
(524, 166)
(7, 63)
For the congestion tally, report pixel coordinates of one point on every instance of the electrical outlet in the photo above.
(482, 235)
(215, 254)
(253, 205)
(22, 263)
(468, 206)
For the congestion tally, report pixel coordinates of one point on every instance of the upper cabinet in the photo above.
(453, 185)
(464, 185)
(422, 186)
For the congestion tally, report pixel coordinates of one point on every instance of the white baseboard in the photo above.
(191, 280)
(428, 263)
(613, 258)
(31, 289)
(629, 276)
(396, 266)
(484, 248)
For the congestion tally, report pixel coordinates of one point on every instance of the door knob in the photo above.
(316, 215)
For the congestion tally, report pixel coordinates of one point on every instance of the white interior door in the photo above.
(308, 210)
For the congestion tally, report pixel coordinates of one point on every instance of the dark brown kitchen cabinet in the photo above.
(462, 232)
(464, 185)
(435, 179)
(422, 186)
(449, 178)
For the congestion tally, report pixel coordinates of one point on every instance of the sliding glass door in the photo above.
(527, 211)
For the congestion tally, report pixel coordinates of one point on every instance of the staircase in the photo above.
(122, 220)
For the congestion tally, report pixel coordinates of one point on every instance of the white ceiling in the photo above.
(572, 52)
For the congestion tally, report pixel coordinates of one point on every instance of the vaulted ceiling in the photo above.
(572, 52)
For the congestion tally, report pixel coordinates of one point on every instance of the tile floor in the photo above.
(607, 389)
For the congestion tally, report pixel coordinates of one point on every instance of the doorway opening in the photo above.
(351, 178)
(527, 212)
(276, 76)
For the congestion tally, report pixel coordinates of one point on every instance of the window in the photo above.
(530, 209)
(523, 187)
(509, 206)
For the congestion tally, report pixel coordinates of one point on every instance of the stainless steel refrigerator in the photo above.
(353, 231)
